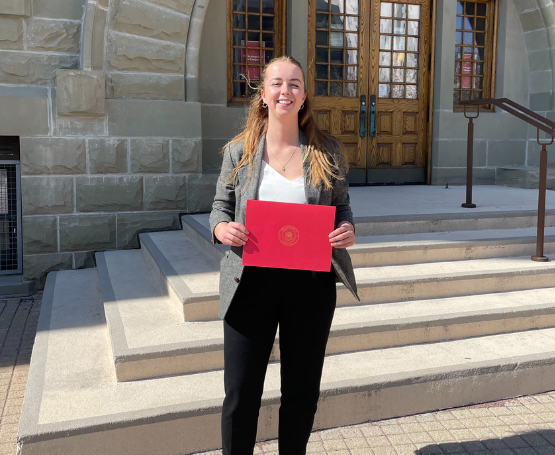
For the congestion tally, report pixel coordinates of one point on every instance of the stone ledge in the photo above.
(16, 7)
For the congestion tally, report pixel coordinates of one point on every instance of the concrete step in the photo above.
(15, 285)
(73, 403)
(149, 339)
(192, 277)
(411, 248)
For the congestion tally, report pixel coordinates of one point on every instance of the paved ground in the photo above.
(520, 426)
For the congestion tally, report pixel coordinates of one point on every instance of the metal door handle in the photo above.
(362, 115)
(372, 115)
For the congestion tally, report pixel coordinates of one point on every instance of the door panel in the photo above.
(370, 47)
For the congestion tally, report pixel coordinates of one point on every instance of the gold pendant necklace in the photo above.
(282, 165)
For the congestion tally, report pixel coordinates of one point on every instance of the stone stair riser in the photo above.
(342, 340)
(431, 288)
(428, 224)
(382, 256)
(340, 404)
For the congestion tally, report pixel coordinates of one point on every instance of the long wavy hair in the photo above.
(322, 168)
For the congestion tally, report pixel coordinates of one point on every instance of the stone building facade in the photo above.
(122, 108)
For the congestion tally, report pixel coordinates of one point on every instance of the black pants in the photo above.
(302, 303)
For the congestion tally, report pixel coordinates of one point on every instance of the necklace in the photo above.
(283, 165)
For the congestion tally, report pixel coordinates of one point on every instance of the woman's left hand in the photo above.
(343, 236)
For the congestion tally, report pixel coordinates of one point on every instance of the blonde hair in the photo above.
(322, 168)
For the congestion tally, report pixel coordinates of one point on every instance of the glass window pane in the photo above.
(479, 53)
(351, 89)
(253, 6)
(254, 37)
(466, 81)
(412, 60)
(322, 21)
(456, 97)
(466, 95)
(411, 92)
(238, 5)
(457, 82)
(399, 58)
(386, 26)
(268, 7)
(351, 23)
(337, 22)
(267, 40)
(253, 22)
(322, 72)
(414, 11)
(385, 58)
(399, 43)
(385, 75)
(469, 23)
(336, 72)
(470, 8)
(479, 83)
(479, 69)
(481, 9)
(413, 28)
(400, 10)
(239, 89)
(400, 27)
(459, 22)
(323, 5)
(398, 91)
(237, 70)
(384, 91)
(321, 55)
(352, 57)
(268, 56)
(239, 21)
(398, 75)
(322, 38)
(412, 44)
(481, 24)
(460, 8)
(469, 38)
(336, 39)
(477, 95)
(336, 88)
(458, 38)
(239, 38)
(480, 39)
(351, 73)
(321, 88)
(412, 76)
(268, 23)
(336, 56)
(352, 7)
(458, 51)
(351, 40)
(386, 9)
(385, 42)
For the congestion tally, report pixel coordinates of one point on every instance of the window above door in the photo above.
(256, 32)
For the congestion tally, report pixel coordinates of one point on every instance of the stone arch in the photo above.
(145, 46)
(537, 18)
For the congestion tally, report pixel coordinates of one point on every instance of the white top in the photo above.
(273, 186)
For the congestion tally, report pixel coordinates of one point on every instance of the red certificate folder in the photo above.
(288, 236)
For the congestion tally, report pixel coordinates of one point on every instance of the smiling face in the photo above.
(284, 90)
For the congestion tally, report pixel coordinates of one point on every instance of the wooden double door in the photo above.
(368, 74)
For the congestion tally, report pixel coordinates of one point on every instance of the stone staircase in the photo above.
(128, 356)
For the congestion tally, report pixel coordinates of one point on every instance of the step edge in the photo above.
(50, 431)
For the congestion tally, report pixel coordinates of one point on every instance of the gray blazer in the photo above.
(230, 204)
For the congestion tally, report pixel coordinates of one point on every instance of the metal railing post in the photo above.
(470, 159)
(539, 257)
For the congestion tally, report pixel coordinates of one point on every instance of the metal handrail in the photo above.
(538, 122)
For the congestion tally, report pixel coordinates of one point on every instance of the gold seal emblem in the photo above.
(288, 235)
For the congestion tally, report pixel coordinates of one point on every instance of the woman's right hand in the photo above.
(231, 233)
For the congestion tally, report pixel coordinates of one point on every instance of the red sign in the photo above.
(252, 58)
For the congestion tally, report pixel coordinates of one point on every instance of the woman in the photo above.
(282, 156)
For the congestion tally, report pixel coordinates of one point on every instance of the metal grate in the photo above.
(9, 257)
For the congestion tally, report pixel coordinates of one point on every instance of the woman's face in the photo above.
(284, 90)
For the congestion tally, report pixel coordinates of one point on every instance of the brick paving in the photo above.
(520, 426)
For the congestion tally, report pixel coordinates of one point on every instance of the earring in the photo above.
(264, 105)
(302, 107)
